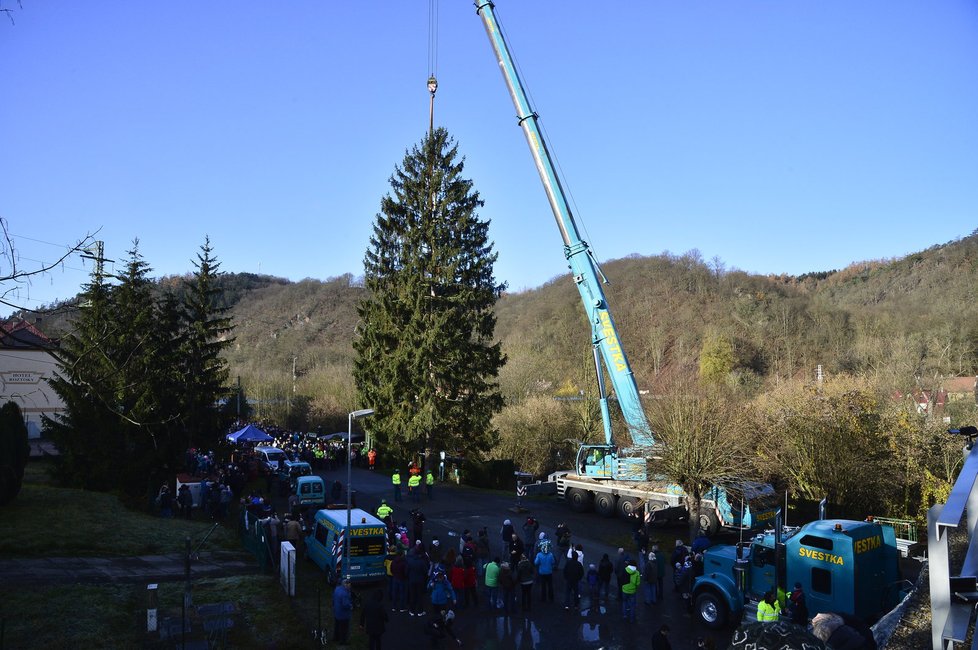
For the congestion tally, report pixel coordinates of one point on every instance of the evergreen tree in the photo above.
(84, 432)
(426, 360)
(118, 367)
(207, 329)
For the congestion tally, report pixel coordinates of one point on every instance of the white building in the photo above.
(26, 364)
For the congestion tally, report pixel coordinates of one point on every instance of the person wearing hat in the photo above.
(342, 612)
(384, 511)
(797, 606)
(660, 640)
(441, 593)
(396, 482)
(414, 487)
(769, 609)
(628, 591)
(440, 626)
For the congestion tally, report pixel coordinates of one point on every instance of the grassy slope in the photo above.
(49, 521)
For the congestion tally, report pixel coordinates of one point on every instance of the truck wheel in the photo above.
(579, 500)
(709, 523)
(628, 506)
(712, 609)
(604, 504)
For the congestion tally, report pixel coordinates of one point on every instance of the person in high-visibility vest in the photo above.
(384, 511)
(414, 487)
(396, 481)
(429, 482)
(769, 609)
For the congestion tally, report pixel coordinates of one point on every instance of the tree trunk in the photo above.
(693, 508)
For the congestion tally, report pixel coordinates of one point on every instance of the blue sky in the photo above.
(779, 137)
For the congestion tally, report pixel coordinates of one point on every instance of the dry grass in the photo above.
(46, 521)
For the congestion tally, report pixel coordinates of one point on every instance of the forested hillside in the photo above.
(878, 330)
(904, 323)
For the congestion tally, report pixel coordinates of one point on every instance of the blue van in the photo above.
(311, 491)
(325, 545)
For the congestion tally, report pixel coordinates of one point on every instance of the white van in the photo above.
(273, 457)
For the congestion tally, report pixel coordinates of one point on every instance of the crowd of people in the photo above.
(511, 572)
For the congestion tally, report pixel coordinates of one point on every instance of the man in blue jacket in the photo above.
(545, 563)
(342, 612)
(442, 593)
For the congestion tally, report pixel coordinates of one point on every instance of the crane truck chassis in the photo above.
(660, 502)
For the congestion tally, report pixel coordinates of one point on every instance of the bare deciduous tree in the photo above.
(703, 441)
(14, 276)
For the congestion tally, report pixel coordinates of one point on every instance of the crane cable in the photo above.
(432, 61)
(432, 37)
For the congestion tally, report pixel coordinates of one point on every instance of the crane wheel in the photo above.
(629, 506)
(579, 500)
(604, 504)
(709, 523)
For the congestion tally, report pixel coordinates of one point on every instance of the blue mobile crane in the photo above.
(600, 467)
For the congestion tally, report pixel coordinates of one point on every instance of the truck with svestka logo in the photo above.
(367, 537)
(842, 566)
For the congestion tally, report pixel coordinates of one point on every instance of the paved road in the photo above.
(549, 626)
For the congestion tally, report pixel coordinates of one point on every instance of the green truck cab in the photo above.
(843, 566)
(367, 535)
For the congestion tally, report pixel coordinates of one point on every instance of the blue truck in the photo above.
(843, 566)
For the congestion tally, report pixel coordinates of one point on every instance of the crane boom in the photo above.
(586, 275)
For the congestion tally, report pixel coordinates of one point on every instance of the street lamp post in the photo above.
(355, 415)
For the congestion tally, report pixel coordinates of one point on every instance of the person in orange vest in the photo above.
(372, 458)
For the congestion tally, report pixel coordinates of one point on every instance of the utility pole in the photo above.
(96, 252)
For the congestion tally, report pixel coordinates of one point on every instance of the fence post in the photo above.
(152, 608)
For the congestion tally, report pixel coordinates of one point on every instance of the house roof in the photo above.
(960, 384)
(19, 334)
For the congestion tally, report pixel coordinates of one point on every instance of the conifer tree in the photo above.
(84, 432)
(207, 328)
(118, 368)
(426, 359)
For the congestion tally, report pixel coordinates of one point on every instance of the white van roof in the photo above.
(269, 449)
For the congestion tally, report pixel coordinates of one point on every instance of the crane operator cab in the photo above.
(597, 461)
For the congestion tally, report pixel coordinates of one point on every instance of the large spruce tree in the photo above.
(207, 329)
(426, 359)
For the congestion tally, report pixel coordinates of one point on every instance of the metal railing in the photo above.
(905, 529)
(953, 594)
